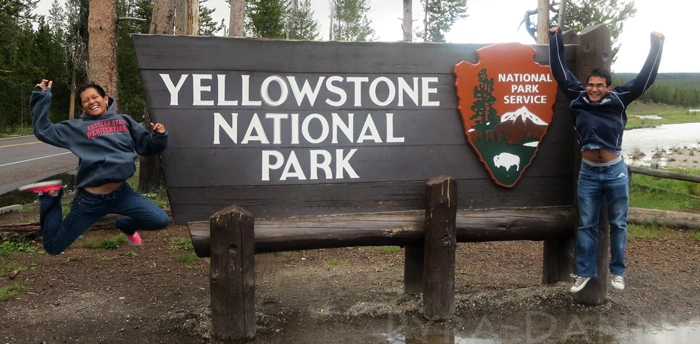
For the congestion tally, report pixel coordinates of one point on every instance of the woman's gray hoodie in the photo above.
(107, 145)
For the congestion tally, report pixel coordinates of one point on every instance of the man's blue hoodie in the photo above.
(601, 124)
(107, 145)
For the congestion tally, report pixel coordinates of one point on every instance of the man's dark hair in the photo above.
(98, 88)
(602, 73)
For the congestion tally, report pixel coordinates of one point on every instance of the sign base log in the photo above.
(401, 228)
(558, 259)
(596, 290)
(440, 248)
(414, 256)
(232, 276)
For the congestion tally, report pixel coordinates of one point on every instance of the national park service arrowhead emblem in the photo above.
(505, 101)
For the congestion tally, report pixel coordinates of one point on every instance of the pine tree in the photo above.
(266, 18)
(76, 43)
(302, 24)
(350, 21)
(207, 25)
(581, 14)
(484, 112)
(440, 15)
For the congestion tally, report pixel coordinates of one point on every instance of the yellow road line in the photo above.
(20, 144)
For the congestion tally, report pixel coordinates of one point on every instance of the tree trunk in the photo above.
(150, 167)
(192, 18)
(561, 20)
(407, 20)
(237, 16)
(73, 88)
(102, 45)
(163, 19)
(180, 16)
(542, 21)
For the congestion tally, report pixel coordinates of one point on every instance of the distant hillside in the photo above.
(679, 89)
(672, 80)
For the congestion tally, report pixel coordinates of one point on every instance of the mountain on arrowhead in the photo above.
(518, 126)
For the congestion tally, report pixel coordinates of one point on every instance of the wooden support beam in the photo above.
(595, 51)
(413, 264)
(440, 248)
(558, 259)
(232, 276)
(596, 290)
(397, 228)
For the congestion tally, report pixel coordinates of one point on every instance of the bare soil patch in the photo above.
(347, 295)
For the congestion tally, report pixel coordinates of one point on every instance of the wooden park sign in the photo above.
(290, 128)
(290, 145)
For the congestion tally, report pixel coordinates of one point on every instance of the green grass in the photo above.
(66, 202)
(339, 262)
(187, 258)
(389, 249)
(18, 131)
(677, 195)
(111, 243)
(15, 245)
(180, 243)
(6, 265)
(669, 115)
(645, 193)
(28, 208)
(10, 292)
(70, 260)
(645, 232)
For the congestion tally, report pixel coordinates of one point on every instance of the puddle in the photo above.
(20, 197)
(669, 334)
(689, 333)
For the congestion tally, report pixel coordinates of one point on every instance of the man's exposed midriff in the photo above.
(103, 189)
(599, 155)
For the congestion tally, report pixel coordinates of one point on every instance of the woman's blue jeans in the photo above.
(594, 183)
(58, 233)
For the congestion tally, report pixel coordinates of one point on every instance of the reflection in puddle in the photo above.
(669, 334)
(20, 197)
(689, 333)
(401, 339)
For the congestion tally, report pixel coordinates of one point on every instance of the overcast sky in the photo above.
(496, 21)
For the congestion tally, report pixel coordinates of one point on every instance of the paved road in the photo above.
(24, 159)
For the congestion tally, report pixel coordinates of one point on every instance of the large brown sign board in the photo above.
(289, 128)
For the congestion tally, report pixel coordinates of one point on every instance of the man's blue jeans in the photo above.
(59, 233)
(594, 183)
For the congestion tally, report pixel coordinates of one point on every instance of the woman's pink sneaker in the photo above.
(134, 239)
(42, 188)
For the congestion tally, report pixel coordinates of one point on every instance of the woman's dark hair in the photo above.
(98, 88)
(601, 73)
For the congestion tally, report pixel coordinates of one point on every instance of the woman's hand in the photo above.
(658, 35)
(158, 128)
(44, 85)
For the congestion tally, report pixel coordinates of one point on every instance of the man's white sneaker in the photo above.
(618, 282)
(579, 283)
